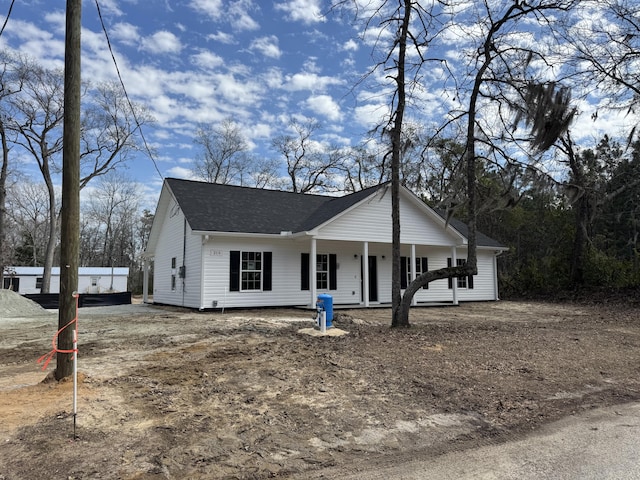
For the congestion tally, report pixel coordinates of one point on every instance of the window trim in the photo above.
(462, 282)
(256, 260)
(322, 258)
(468, 279)
(305, 272)
(173, 274)
(422, 266)
(235, 271)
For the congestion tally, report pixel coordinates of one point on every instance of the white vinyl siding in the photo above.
(186, 248)
(207, 259)
(106, 278)
(371, 222)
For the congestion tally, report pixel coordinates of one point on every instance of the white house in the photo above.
(223, 246)
(25, 280)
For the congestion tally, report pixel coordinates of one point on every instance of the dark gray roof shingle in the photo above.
(211, 207)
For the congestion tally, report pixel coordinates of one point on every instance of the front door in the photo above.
(373, 279)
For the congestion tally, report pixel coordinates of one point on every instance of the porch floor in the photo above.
(356, 306)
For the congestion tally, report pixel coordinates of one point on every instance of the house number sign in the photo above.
(215, 253)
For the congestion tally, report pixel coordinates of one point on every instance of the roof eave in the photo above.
(283, 234)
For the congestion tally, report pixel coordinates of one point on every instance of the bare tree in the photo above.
(262, 173)
(606, 52)
(28, 207)
(11, 80)
(108, 130)
(109, 222)
(309, 165)
(224, 157)
(498, 79)
(39, 125)
(108, 134)
(363, 167)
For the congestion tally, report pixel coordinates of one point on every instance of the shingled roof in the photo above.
(213, 207)
(210, 207)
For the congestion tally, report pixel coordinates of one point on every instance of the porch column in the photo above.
(365, 273)
(145, 280)
(495, 278)
(313, 272)
(413, 270)
(454, 283)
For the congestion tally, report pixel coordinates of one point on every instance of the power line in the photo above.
(139, 126)
(6, 20)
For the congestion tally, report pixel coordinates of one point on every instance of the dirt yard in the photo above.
(172, 394)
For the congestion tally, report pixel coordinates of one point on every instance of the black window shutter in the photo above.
(403, 272)
(304, 271)
(234, 271)
(470, 282)
(425, 268)
(333, 271)
(266, 271)
(450, 280)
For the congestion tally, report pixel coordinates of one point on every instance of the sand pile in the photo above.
(13, 305)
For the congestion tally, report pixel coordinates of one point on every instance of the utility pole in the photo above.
(70, 217)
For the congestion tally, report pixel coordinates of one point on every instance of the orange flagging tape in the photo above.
(46, 358)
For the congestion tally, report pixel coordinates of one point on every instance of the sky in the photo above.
(201, 61)
(259, 62)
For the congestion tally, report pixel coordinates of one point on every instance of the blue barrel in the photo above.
(325, 303)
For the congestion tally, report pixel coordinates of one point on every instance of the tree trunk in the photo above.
(3, 201)
(53, 227)
(398, 320)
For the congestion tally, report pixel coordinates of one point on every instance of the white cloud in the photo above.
(222, 37)
(305, 11)
(273, 78)
(110, 6)
(267, 46)
(370, 115)
(125, 33)
(350, 45)
(239, 13)
(211, 8)
(324, 105)
(310, 81)
(207, 60)
(35, 42)
(181, 172)
(162, 42)
(236, 13)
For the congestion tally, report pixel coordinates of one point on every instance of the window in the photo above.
(173, 273)
(39, 283)
(322, 271)
(422, 266)
(249, 271)
(462, 281)
(326, 271)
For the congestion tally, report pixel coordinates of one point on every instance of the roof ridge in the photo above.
(246, 187)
